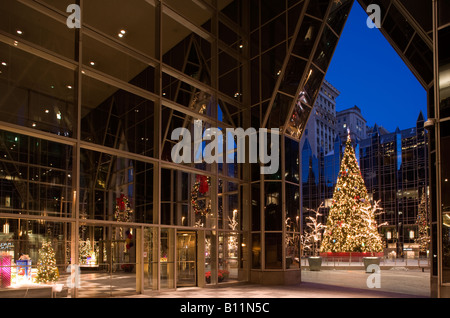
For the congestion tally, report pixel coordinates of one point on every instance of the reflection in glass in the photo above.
(273, 251)
(273, 204)
(36, 176)
(36, 93)
(21, 242)
(26, 24)
(306, 37)
(117, 119)
(115, 188)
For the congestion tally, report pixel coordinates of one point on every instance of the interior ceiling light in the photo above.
(19, 32)
(4, 64)
(122, 33)
(92, 63)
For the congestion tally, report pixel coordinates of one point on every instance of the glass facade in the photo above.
(87, 116)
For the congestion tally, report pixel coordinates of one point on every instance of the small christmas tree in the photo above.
(46, 267)
(351, 225)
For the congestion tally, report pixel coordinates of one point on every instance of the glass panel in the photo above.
(292, 160)
(444, 12)
(36, 93)
(271, 63)
(421, 57)
(325, 49)
(339, 14)
(36, 176)
(107, 258)
(445, 189)
(26, 24)
(116, 118)
(280, 110)
(270, 9)
(292, 251)
(273, 33)
(398, 28)
(194, 11)
(444, 73)
(292, 208)
(273, 251)
(137, 32)
(306, 37)
(318, 8)
(24, 243)
(186, 259)
(150, 258)
(122, 66)
(228, 257)
(175, 192)
(294, 72)
(167, 258)
(115, 188)
(256, 251)
(256, 207)
(273, 205)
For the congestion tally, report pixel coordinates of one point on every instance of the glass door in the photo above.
(186, 259)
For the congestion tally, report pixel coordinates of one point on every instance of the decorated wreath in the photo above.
(201, 187)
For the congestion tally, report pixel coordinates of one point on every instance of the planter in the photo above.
(371, 261)
(315, 263)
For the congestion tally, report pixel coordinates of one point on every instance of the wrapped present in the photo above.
(5, 271)
(23, 267)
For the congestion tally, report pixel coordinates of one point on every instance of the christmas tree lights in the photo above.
(351, 224)
(47, 272)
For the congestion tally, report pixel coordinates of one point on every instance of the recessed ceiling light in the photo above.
(4, 64)
(123, 32)
(92, 63)
(120, 35)
(34, 125)
(47, 111)
(19, 32)
(69, 86)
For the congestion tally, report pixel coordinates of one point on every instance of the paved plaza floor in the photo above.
(397, 283)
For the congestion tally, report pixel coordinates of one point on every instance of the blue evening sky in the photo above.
(370, 74)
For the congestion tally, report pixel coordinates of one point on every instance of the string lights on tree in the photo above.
(47, 272)
(351, 224)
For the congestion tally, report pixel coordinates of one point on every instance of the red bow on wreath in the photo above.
(121, 202)
(204, 187)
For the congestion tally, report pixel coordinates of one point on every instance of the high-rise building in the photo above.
(91, 92)
(394, 167)
(321, 127)
(351, 120)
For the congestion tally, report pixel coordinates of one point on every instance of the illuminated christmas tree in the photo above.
(423, 238)
(351, 224)
(46, 267)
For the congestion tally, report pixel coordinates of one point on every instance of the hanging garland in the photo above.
(123, 209)
(201, 186)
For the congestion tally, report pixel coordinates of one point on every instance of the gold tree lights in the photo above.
(47, 272)
(351, 224)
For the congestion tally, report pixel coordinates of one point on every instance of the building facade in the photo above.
(91, 96)
(91, 93)
(351, 120)
(321, 127)
(394, 167)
